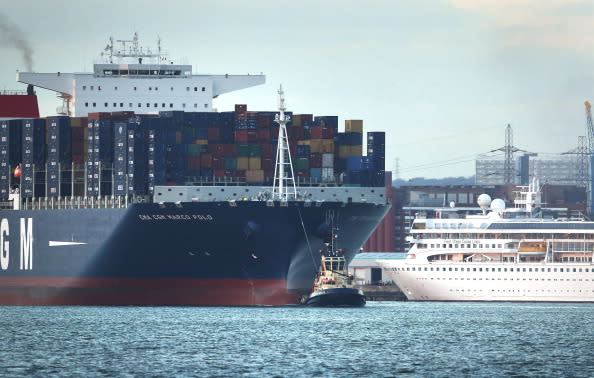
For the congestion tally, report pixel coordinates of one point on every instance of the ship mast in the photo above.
(284, 178)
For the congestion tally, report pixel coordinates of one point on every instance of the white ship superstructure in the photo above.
(133, 78)
(501, 255)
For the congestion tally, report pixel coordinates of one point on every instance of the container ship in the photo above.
(499, 254)
(139, 193)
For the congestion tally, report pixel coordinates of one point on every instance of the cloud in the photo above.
(564, 24)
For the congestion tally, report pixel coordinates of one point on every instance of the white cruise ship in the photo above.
(498, 255)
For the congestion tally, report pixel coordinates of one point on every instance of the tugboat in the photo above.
(333, 286)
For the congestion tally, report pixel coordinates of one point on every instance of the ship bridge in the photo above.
(138, 80)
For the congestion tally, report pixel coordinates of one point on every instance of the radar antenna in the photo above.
(283, 170)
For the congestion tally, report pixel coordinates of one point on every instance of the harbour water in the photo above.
(380, 340)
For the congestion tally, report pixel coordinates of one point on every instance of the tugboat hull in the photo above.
(336, 297)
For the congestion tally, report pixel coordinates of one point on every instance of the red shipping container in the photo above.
(274, 131)
(266, 150)
(78, 158)
(214, 134)
(241, 136)
(263, 135)
(263, 122)
(218, 163)
(100, 115)
(241, 116)
(219, 173)
(240, 108)
(315, 132)
(252, 136)
(267, 164)
(303, 173)
(229, 150)
(194, 163)
(327, 132)
(296, 132)
(252, 115)
(315, 160)
(206, 160)
(240, 173)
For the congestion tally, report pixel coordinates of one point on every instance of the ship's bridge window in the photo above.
(105, 104)
(94, 104)
(188, 89)
(84, 87)
(86, 104)
(195, 89)
(171, 105)
(205, 106)
(98, 87)
(92, 87)
(203, 89)
(124, 72)
(107, 72)
(115, 88)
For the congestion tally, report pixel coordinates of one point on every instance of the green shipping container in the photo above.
(301, 164)
(244, 150)
(230, 163)
(255, 150)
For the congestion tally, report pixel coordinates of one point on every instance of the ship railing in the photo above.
(6, 92)
(77, 202)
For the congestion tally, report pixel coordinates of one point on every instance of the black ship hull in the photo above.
(336, 297)
(190, 253)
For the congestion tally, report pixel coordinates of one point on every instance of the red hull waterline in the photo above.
(60, 291)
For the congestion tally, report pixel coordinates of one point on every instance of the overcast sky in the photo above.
(442, 78)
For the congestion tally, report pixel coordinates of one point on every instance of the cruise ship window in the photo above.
(150, 88)
(134, 88)
(203, 89)
(156, 88)
(195, 105)
(115, 88)
(98, 87)
(94, 104)
(171, 88)
(114, 105)
(86, 104)
(105, 104)
(148, 105)
(121, 104)
(156, 105)
(171, 105)
(130, 105)
(195, 89)
(184, 105)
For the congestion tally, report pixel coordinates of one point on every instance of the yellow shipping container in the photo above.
(316, 146)
(344, 152)
(78, 121)
(356, 150)
(327, 146)
(178, 137)
(254, 175)
(303, 142)
(353, 126)
(254, 163)
(243, 163)
(201, 141)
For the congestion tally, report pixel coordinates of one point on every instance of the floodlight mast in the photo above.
(283, 186)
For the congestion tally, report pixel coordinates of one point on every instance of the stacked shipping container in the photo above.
(121, 153)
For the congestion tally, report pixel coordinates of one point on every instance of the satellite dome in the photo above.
(498, 204)
(452, 204)
(484, 200)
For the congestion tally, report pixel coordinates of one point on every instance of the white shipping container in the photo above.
(327, 160)
(327, 174)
